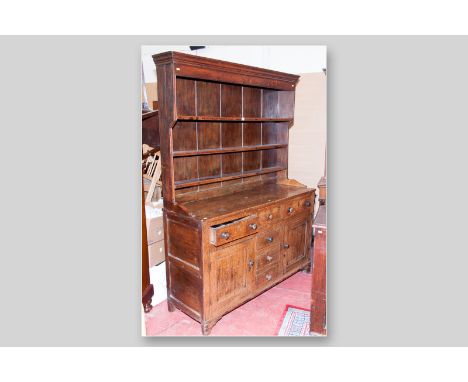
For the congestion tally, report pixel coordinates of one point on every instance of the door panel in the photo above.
(294, 245)
(231, 275)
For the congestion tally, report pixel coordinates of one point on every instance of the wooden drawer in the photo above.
(269, 238)
(267, 276)
(232, 230)
(155, 229)
(270, 215)
(156, 253)
(266, 258)
(295, 206)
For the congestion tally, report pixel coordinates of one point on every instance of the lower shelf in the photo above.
(214, 179)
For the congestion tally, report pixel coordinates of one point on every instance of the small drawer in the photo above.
(156, 253)
(291, 207)
(155, 230)
(297, 205)
(266, 258)
(234, 229)
(268, 238)
(268, 276)
(270, 215)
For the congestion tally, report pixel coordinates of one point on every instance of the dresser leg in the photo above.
(147, 306)
(307, 268)
(206, 327)
(170, 306)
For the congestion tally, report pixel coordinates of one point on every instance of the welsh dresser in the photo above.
(234, 224)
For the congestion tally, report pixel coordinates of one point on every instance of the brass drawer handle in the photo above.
(285, 245)
(251, 263)
(253, 226)
(269, 239)
(268, 277)
(307, 203)
(270, 216)
(290, 210)
(269, 258)
(225, 235)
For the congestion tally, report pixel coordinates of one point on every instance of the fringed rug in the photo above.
(295, 321)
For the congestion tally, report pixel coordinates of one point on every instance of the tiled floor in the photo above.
(258, 317)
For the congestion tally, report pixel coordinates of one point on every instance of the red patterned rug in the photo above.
(295, 321)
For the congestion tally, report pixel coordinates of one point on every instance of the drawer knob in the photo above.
(253, 226)
(270, 216)
(225, 235)
(307, 203)
(251, 263)
(269, 239)
(269, 258)
(290, 210)
(268, 277)
(285, 245)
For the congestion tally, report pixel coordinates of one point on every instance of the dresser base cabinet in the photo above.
(234, 223)
(206, 280)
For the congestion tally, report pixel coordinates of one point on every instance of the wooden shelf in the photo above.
(223, 150)
(245, 174)
(230, 119)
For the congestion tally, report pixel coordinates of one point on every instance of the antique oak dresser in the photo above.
(234, 224)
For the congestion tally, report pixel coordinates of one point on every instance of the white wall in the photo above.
(289, 59)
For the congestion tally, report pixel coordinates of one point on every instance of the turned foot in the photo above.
(170, 306)
(307, 268)
(206, 328)
(147, 306)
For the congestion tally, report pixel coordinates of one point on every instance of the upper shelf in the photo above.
(230, 119)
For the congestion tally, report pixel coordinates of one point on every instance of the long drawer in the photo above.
(232, 230)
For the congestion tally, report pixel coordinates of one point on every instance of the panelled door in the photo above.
(294, 243)
(232, 274)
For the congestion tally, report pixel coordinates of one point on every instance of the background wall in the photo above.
(308, 134)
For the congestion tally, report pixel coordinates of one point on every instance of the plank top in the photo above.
(259, 195)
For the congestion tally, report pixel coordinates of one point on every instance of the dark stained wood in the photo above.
(147, 290)
(252, 102)
(229, 209)
(191, 66)
(167, 119)
(208, 99)
(231, 101)
(209, 135)
(150, 129)
(209, 166)
(252, 134)
(185, 168)
(215, 178)
(318, 311)
(231, 135)
(230, 119)
(232, 163)
(227, 150)
(184, 135)
(185, 96)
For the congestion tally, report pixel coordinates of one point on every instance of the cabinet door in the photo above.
(295, 243)
(231, 274)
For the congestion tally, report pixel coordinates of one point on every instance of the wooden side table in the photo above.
(318, 310)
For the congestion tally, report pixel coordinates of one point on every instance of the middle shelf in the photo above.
(187, 153)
